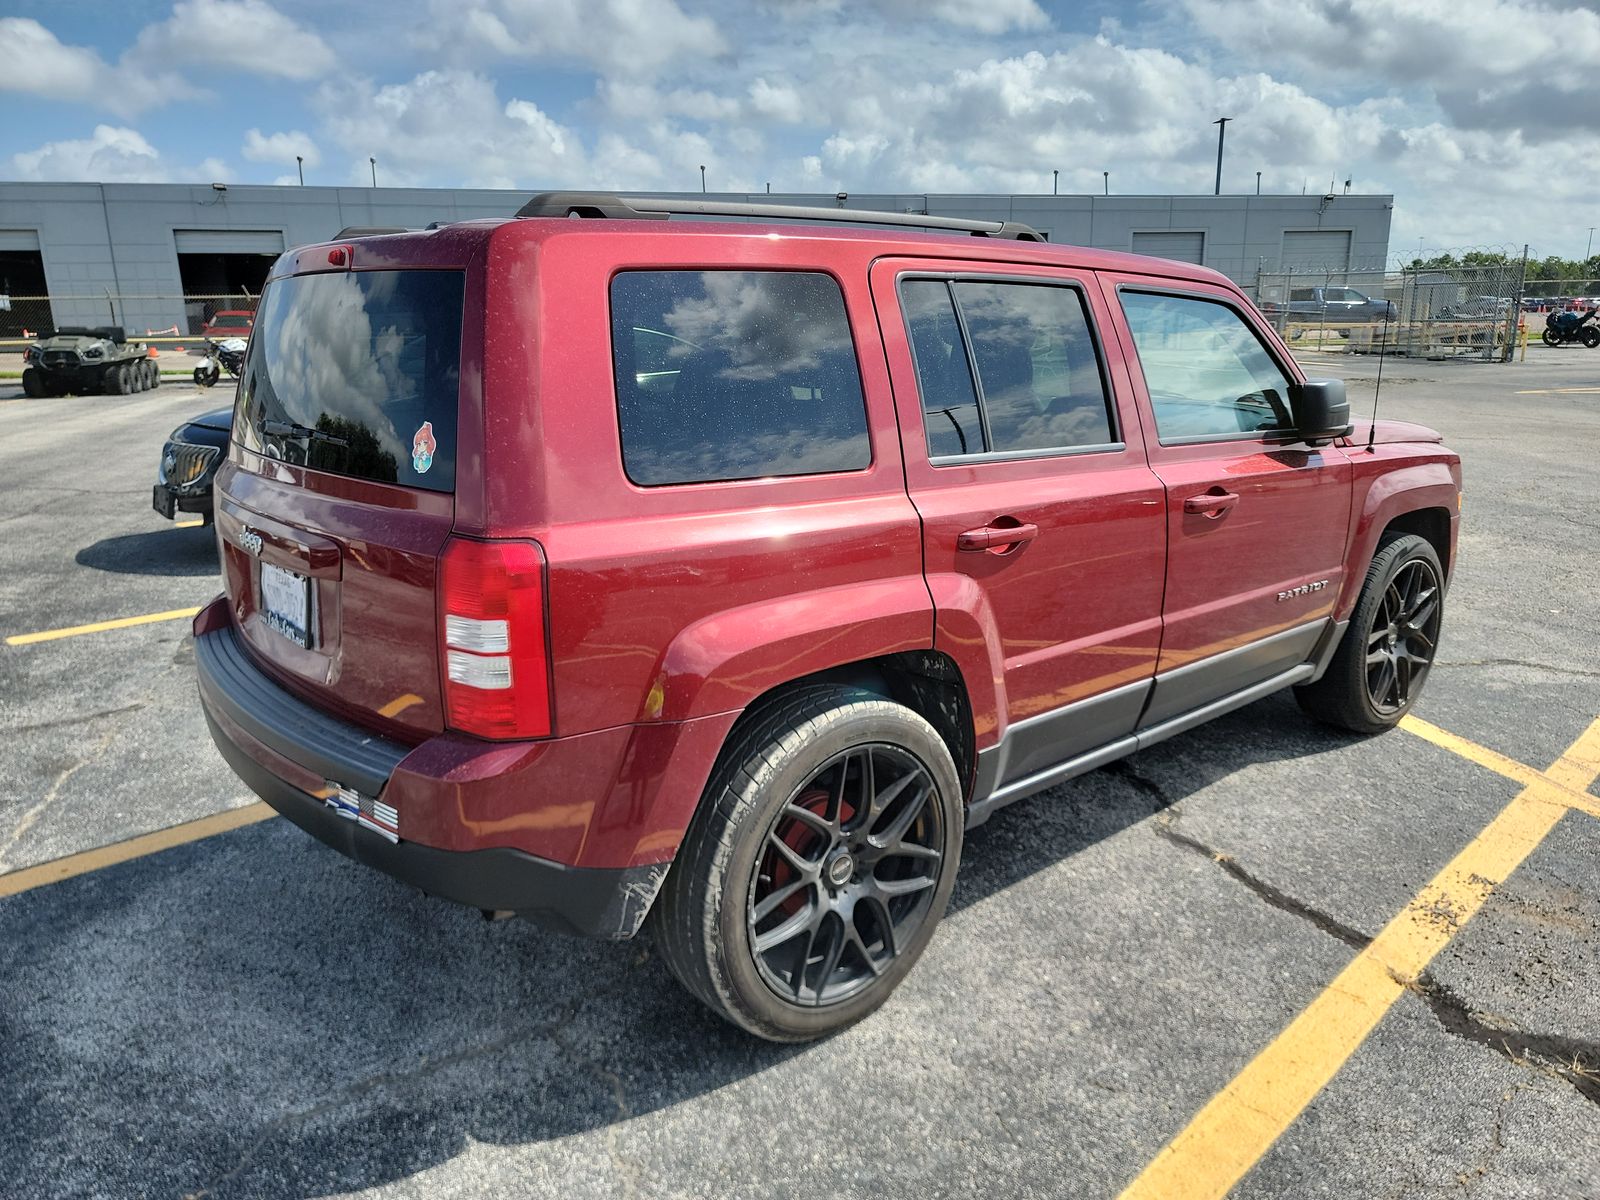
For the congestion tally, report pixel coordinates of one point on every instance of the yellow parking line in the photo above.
(1572, 797)
(1230, 1134)
(73, 865)
(50, 635)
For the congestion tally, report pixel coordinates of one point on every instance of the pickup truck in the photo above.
(1331, 304)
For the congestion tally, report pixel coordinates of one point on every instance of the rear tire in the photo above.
(1378, 671)
(33, 385)
(155, 374)
(817, 866)
(1590, 336)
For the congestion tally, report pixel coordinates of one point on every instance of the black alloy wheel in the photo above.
(847, 875)
(1382, 660)
(1403, 637)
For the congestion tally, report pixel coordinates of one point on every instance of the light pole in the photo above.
(1222, 128)
(1590, 246)
(373, 163)
(1258, 183)
(1106, 175)
(1055, 183)
(300, 165)
(702, 179)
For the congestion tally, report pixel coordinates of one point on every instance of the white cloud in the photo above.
(985, 16)
(112, 154)
(33, 60)
(625, 38)
(280, 147)
(777, 101)
(246, 35)
(449, 127)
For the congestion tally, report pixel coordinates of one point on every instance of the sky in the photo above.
(1478, 115)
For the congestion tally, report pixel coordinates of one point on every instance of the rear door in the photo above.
(1038, 508)
(1257, 519)
(340, 490)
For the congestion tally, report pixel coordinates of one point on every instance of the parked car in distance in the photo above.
(1333, 304)
(721, 574)
(1478, 308)
(229, 323)
(188, 465)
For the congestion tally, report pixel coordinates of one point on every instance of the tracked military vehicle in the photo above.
(80, 361)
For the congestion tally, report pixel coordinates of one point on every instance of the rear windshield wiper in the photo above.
(295, 430)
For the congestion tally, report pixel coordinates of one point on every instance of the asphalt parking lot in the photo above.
(1262, 951)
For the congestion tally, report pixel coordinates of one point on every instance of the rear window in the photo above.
(735, 375)
(357, 373)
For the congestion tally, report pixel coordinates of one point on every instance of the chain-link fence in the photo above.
(26, 317)
(1468, 312)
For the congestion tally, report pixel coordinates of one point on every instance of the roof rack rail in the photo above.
(649, 208)
(356, 231)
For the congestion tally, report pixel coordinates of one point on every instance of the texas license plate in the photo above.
(286, 603)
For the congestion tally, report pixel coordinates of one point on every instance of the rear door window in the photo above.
(1038, 387)
(735, 375)
(357, 373)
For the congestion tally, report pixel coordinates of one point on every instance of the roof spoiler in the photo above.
(601, 205)
(360, 231)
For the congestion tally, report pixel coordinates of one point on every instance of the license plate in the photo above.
(161, 500)
(286, 603)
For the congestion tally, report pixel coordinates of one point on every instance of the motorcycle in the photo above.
(226, 355)
(1564, 328)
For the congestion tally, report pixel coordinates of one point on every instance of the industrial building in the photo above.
(133, 252)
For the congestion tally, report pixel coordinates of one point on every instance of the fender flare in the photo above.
(724, 661)
(1393, 494)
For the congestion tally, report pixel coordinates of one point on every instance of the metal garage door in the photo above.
(1184, 247)
(1316, 249)
(228, 241)
(19, 239)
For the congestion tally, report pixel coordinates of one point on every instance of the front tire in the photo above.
(817, 866)
(33, 385)
(1378, 671)
(1550, 337)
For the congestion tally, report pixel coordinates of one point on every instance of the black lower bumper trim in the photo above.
(590, 901)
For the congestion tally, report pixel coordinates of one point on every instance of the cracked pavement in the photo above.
(253, 1016)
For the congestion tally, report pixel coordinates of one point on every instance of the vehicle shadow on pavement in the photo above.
(173, 552)
(254, 1015)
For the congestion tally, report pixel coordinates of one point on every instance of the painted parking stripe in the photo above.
(88, 861)
(50, 635)
(187, 524)
(1230, 1134)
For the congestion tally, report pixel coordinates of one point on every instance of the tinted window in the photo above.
(1298, 294)
(1208, 375)
(944, 378)
(357, 373)
(1038, 377)
(735, 375)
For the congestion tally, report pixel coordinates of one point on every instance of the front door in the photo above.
(1257, 519)
(1043, 526)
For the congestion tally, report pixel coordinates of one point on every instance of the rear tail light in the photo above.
(497, 662)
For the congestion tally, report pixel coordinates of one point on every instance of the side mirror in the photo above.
(1321, 412)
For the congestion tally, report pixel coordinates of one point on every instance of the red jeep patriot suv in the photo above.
(721, 573)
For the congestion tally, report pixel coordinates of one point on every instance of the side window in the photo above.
(1038, 381)
(1297, 295)
(950, 416)
(1208, 375)
(1037, 375)
(735, 375)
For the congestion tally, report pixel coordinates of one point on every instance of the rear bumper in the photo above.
(288, 752)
